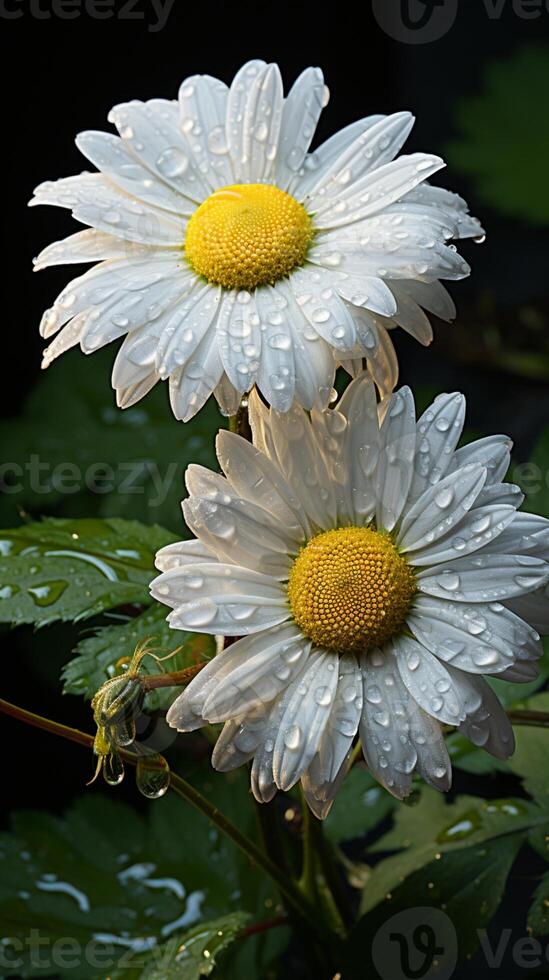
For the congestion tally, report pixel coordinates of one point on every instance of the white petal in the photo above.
(369, 291)
(488, 727)
(182, 553)
(303, 466)
(309, 701)
(240, 739)
(262, 669)
(493, 452)
(126, 397)
(438, 433)
(203, 108)
(385, 724)
(256, 478)
(232, 615)
(343, 722)
(429, 682)
(276, 376)
(485, 578)
(254, 113)
(321, 160)
(440, 508)
(95, 201)
(239, 535)
(179, 334)
(227, 397)
(410, 316)
(89, 246)
(239, 338)
(313, 356)
(432, 296)
(185, 714)
(433, 761)
(374, 147)
(383, 364)
(528, 534)
(326, 312)
(318, 793)
(452, 205)
(222, 582)
(500, 493)
(153, 132)
(534, 608)
(192, 384)
(480, 528)
(261, 777)
(396, 455)
(375, 191)
(361, 448)
(113, 157)
(300, 116)
(476, 639)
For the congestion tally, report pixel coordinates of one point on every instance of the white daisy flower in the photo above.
(231, 256)
(373, 572)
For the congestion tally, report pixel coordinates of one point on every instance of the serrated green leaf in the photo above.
(73, 569)
(360, 805)
(467, 885)
(538, 916)
(97, 656)
(118, 884)
(197, 952)
(530, 758)
(106, 462)
(498, 146)
(434, 827)
(538, 839)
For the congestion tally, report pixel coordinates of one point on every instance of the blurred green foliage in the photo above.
(503, 142)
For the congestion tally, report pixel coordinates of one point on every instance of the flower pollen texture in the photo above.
(247, 235)
(349, 589)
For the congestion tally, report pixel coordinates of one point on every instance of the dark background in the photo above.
(61, 77)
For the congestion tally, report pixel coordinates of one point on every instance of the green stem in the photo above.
(290, 892)
(331, 873)
(531, 719)
(307, 881)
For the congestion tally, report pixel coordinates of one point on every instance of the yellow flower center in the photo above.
(349, 589)
(247, 235)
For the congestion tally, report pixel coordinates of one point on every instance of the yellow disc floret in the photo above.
(350, 589)
(247, 235)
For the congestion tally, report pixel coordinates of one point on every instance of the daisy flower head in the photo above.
(372, 572)
(230, 256)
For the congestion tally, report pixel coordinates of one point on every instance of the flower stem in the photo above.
(294, 899)
(531, 719)
(175, 679)
(307, 882)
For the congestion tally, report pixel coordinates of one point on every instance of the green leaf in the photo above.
(529, 759)
(196, 953)
(433, 828)
(498, 146)
(119, 884)
(74, 569)
(538, 916)
(532, 478)
(97, 656)
(467, 885)
(73, 449)
(360, 805)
